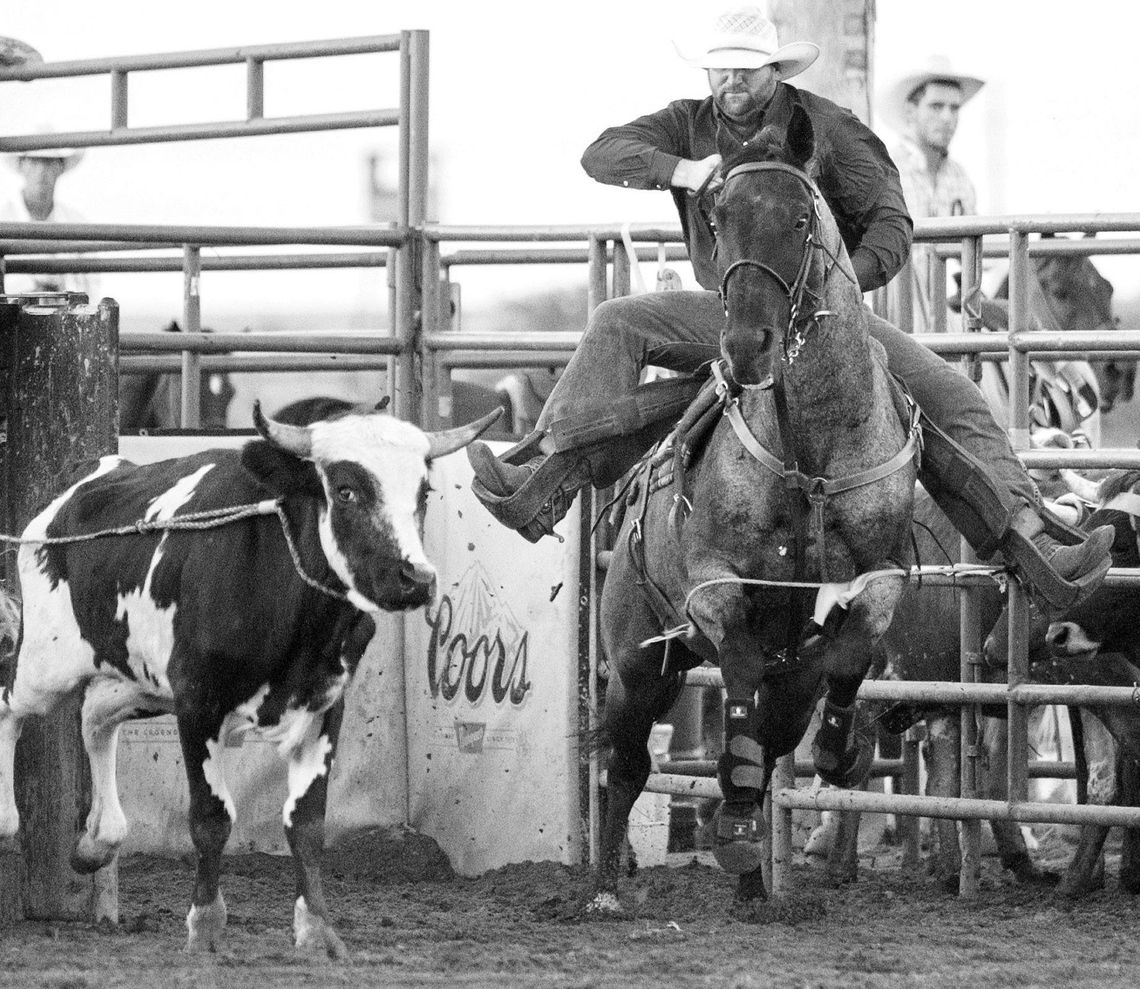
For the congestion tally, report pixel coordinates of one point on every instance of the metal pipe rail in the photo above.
(218, 343)
(243, 262)
(956, 808)
(1090, 247)
(219, 363)
(945, 692)
(373, 235)
(253, 57)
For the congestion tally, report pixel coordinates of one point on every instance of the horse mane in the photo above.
(770, 145)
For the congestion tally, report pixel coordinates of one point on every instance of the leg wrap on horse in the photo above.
(836, 762)
(1061, 563)
(739, 821)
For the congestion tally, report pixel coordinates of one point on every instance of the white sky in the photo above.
(517, 91)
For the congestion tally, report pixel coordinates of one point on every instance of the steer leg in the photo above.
(107, 704)
(211, 819)
(1085, 872)
(310, 764)
(943, 776)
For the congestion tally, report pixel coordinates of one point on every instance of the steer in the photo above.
(257, 623)
(1096, 642)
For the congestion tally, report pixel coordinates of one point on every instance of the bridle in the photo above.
(801, 317)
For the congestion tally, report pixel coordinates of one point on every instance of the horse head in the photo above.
(768, 224)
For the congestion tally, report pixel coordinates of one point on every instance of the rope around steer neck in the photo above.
(208, 519)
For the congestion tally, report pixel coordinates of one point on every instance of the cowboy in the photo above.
(922, 106)
(36, 201)
(597, 423)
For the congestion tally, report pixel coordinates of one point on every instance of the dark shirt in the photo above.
(855, 174)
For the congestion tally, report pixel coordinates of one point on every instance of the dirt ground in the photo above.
(523, 925)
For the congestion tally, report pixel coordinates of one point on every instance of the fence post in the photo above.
(969, 623)
(60, 408)
(191, 323)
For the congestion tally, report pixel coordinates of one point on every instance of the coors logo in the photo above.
(477, 645)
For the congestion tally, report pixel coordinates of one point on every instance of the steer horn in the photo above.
(296, 440)
(451, 440)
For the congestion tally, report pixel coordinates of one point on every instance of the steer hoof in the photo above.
(739, 843)
(205, 924)
(849, 771)
(90, 854)
(314, 935)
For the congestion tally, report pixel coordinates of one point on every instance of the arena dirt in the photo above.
(409, 921)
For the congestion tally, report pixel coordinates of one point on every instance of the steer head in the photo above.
(368, 473)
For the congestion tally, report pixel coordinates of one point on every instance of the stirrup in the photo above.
(1041, 576)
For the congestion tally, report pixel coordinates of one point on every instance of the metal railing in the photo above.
(410, 117)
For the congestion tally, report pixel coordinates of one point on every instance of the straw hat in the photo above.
(893, 99)
(743, 38)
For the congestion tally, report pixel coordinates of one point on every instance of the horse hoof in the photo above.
(205, 924)
(849, 771)
(739, 847)
(605, 904)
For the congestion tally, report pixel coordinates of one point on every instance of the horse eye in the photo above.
(346, 494)
(801, 222)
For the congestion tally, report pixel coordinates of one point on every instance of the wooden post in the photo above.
(60, 408)
(844, 31)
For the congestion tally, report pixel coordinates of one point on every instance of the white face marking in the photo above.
(394, 452)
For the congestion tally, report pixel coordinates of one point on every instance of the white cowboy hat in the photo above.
(893, 98)
(69, 156)
(743, 38)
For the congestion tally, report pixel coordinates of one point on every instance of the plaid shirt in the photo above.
(948, 192)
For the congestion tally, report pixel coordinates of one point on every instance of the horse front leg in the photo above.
(722, 614)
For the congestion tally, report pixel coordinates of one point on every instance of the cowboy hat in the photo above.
(743, 38)
(69, 156)
(15, 52)
(893, 98)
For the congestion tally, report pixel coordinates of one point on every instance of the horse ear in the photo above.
(800, 140)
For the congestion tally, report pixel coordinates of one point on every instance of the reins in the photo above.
(208, 519)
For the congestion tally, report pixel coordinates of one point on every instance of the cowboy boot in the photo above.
(531, 497)
(1062, 564)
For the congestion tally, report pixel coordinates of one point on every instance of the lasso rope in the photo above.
(208, 519)
(996, 573)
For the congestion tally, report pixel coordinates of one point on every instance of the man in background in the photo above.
(35, 201)
(923, 107)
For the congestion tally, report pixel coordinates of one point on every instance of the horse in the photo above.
(152, 400)
(1078, 297)
(800, 374)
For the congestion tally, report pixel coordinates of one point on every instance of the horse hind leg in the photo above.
(843, 758)
(635, 699)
